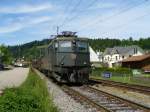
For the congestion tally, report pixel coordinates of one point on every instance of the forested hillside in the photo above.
(101, 44)
(29, 50)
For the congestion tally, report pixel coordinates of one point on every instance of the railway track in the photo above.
(133, 87)
(102, 101)
(99, 101)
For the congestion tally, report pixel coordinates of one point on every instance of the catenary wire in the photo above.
(112, 16)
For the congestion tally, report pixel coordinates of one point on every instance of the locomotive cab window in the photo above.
(82, 46)
(65, 46)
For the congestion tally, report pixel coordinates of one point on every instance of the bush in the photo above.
(31, 96)
(115, 71)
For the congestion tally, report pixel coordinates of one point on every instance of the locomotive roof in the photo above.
(62, 38)
(71, 38)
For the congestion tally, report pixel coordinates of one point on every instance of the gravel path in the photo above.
(14, 77)
(63, 101)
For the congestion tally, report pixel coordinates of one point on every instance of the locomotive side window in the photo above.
(82, 46)
(56, 45)
(42, 52)
(65, 46)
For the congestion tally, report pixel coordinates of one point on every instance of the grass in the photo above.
(129, 80)
(125, 78)
(31, 96)
(146, 75)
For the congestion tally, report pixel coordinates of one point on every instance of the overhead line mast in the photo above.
(56, 25)
(57, 30)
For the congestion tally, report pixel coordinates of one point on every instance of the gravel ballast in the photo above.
(126, 94)
(63, 101)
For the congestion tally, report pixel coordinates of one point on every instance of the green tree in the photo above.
(29, 50)
(5, 55)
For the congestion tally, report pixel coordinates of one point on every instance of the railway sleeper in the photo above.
(122, 108)
(128, 110)
(110, 102)
(102, 101)
(115, 105)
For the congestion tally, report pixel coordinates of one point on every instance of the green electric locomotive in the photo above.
(66, 58)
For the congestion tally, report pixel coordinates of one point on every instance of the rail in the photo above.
(103, 101)
(133, 87)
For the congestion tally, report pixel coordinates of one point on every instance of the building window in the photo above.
(122, 57)
(135, 51)
(116, 57)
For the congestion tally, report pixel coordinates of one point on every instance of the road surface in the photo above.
(13, 78)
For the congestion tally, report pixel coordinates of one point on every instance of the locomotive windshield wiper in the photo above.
(61, 61)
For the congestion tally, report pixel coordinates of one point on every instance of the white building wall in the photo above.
(138, 53)
(100, 56)
(93, 55)
(115, 58)
(107, 58)
(110, 59)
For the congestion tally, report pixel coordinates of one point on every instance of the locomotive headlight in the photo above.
(73, 56)
(84, 63)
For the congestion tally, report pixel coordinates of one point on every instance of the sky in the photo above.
(22, 21)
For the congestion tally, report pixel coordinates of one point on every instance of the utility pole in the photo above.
(19, 53)
(57, 30)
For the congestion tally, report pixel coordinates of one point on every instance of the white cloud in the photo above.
(25, 8)
(114, 24)
(10, 28)
(23, 23)
(107, 21)
(38, 20)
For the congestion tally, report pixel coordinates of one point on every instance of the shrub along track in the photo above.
(132, 87)
(102, 101)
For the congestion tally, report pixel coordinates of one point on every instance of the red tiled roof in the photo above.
(137, 58)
